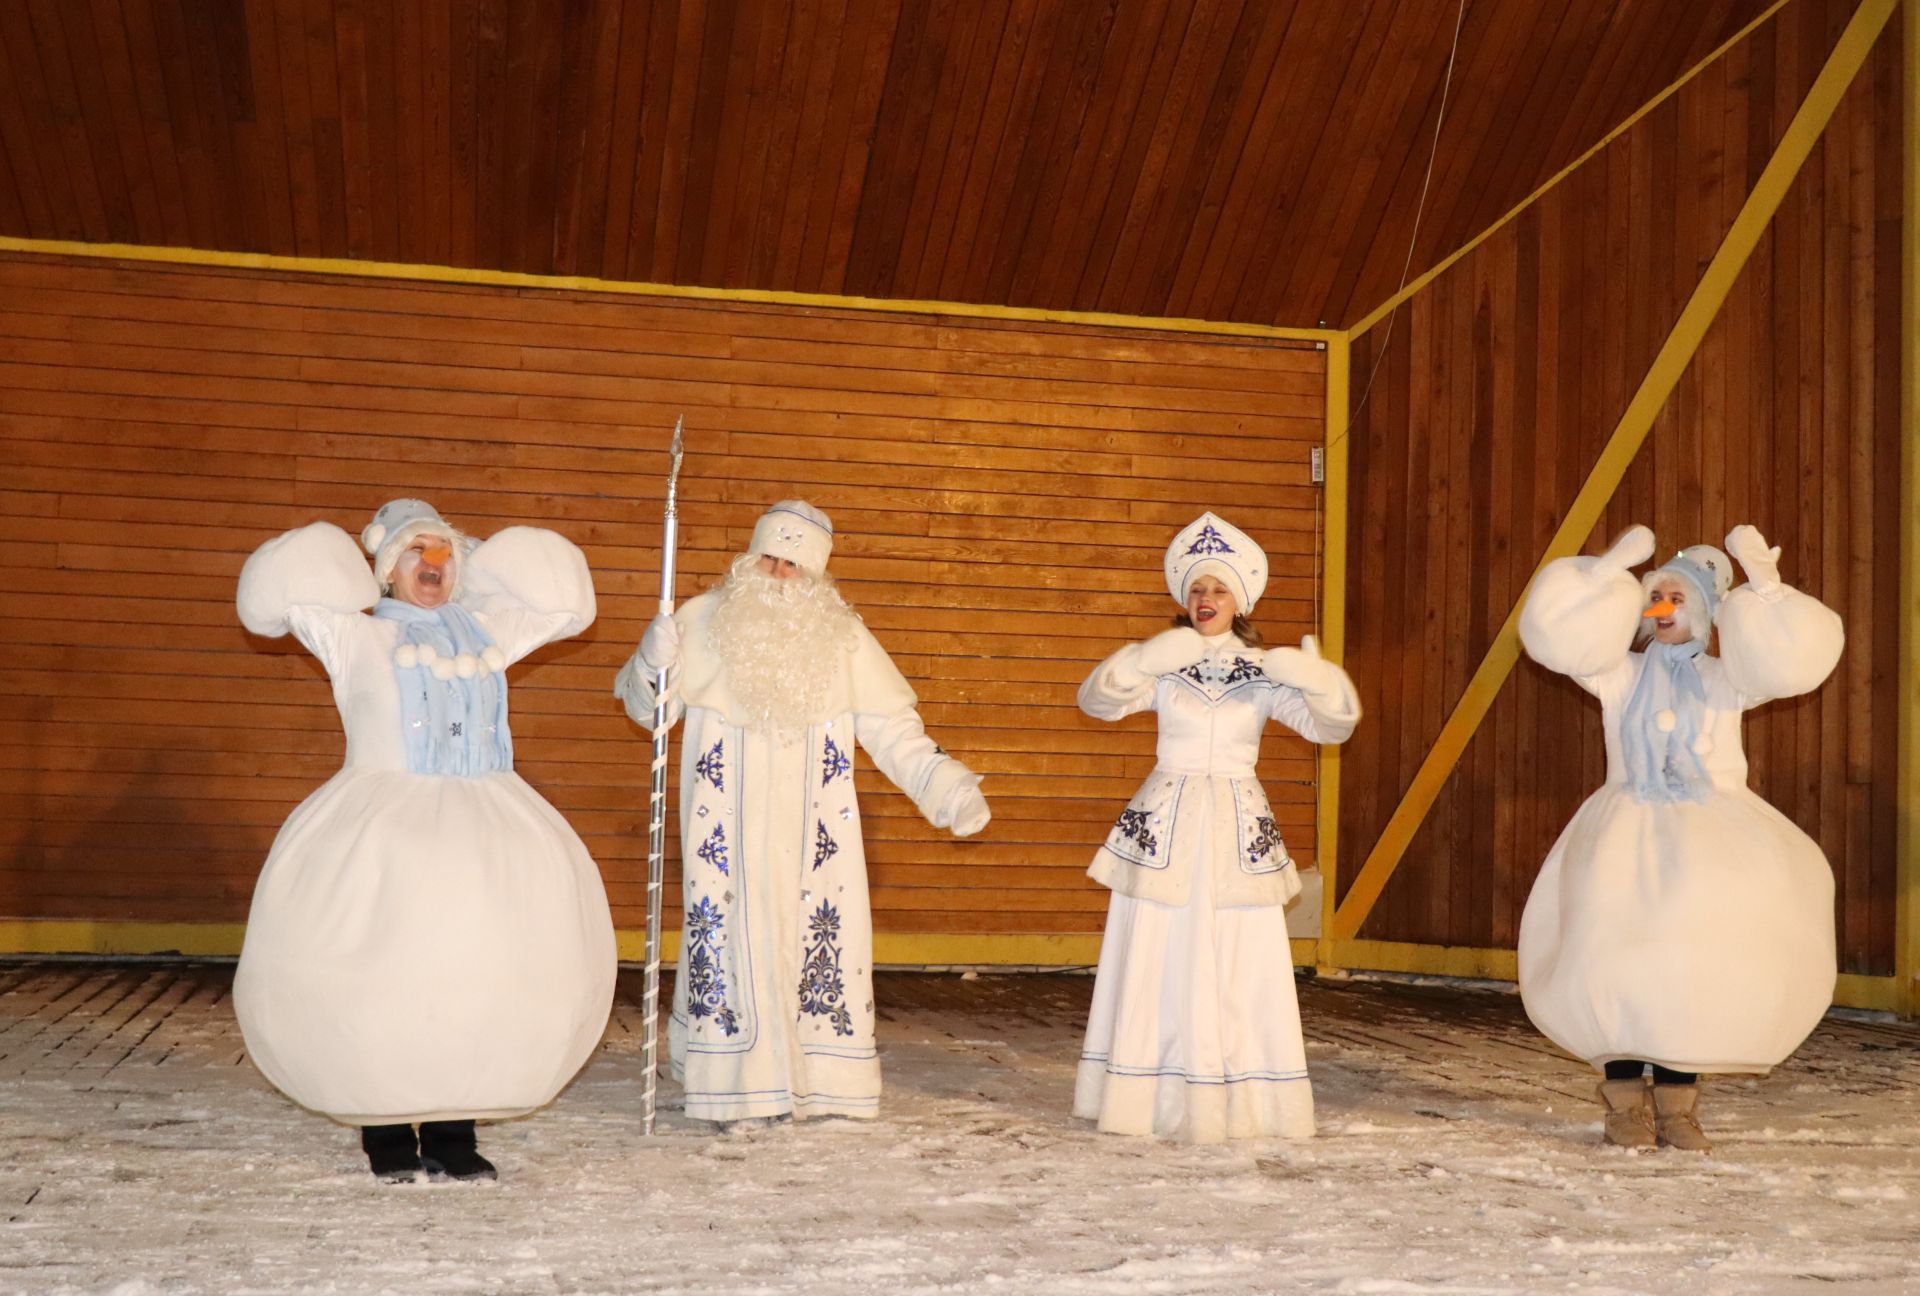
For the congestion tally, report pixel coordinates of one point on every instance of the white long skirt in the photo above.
(1194, 1032)
(425, 948)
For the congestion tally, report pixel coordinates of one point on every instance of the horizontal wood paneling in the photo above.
(1003, 493)
(1252, 160)
(1490, 403)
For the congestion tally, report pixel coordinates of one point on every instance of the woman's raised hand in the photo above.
(1170, 650)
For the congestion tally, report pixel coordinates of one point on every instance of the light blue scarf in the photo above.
(1664, 766)
(452, 726)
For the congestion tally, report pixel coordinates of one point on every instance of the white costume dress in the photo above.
(1694, 934)
(773, 1001)
(1195, 1029)
(421, 947)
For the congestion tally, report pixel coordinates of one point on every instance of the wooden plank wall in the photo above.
(1499, 386)
(1003, 493)
(1222, 159)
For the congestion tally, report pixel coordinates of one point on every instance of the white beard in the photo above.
(782, 641)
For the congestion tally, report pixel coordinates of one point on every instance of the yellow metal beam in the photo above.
(1907, 802)
(1381, 311)
(1333, 626)
(1671, 362)
(618, 287)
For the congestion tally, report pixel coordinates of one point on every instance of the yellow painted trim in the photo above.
(1875, 993)
(66, 936)
(1906, 960)
(584, 283)
(1424, 960)
(1675, 354)
(1381, 311)
(1333, 626)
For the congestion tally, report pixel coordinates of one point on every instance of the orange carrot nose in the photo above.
(436, 555)
(1660, 609)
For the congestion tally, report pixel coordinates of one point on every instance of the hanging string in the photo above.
(1419, 211)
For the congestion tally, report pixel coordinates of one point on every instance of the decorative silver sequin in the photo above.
(846, 812)
(701, 811)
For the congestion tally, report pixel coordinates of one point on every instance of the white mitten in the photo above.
(660, 645)
(1172, 649)
(970, 813)
(1634, 547)
(1761, 564)
(1303, 667)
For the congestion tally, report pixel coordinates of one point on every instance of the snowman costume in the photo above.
(773, 1010)
(1194, 1033)
(429, 939)
(1679, 919)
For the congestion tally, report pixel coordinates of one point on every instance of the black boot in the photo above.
(391, 1152)
(447, 1151)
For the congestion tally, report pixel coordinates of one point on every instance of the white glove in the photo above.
(969, 811)
(1172, 649)
(1761, 564)
(1634, 547)
(1303, 667)
(660, 645)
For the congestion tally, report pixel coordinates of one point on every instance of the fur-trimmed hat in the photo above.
(797, 531)
(1209, 545)
(393, 528)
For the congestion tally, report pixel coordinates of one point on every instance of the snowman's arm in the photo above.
(528, 587)
(1580, 618)
(311, 582)
(1777, 642)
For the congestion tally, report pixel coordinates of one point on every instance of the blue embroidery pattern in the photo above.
(1266, 836)
(823, 991)
(712, 767)
(1244, 670)
(714, 849)
(706, 988)
(1133, 827)
(1209, 541)
(833, 763)
(824, 847)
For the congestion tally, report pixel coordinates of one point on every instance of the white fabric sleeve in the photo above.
(306, 582)
(1777, 643)
(1328, 716)
(634, 686)
(528, 587)
(915, 764)
(1580, 617)
(1118, 687)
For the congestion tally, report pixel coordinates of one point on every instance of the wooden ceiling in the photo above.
(1247, 160)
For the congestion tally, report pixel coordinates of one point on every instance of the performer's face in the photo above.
(1666, 605)
(423, 575)
(1210, 606)
(778, 568)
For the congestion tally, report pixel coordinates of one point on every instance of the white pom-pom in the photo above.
(1703, 745)
(406, 656)
(371, 537)
(427, 654)
(442, 669)
(495, 659)
(1665, 721)
(466, 665)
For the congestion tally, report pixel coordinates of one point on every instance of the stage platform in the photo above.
(1458, 1151)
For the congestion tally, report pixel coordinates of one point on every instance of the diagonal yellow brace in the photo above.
(1748, 227)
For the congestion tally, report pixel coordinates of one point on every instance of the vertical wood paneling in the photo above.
(1003, 494)
(1229, 159)
(1518, 363)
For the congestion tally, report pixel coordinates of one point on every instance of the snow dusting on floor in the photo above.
(140, 1153)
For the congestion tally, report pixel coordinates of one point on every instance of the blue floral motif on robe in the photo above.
(714, 849)
(833, 763)
(824, 846)
(823, 991)
(712, 767)
(706, 987)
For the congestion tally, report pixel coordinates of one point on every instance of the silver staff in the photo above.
(657, 803)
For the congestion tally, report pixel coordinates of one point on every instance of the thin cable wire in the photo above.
(1406, 269)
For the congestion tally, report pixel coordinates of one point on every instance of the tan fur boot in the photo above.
(1674, 1121)
(1629, 1114)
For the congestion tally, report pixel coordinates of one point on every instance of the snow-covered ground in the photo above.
(140, 1153)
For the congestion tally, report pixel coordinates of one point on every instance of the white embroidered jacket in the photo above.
(1203, 806)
